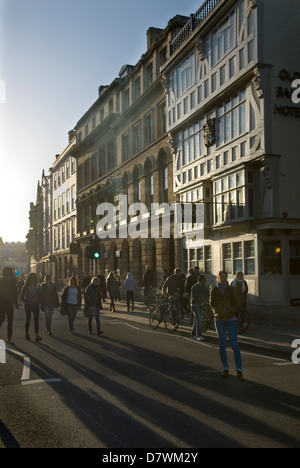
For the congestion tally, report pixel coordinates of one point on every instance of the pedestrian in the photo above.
(147, 283)
(174, 286)
(102, 285)
(49, 300)
(118, 277)
(241, 286)
(225, 304)
(93, 304)
(85, 281)
(112, 288)
(199, 299)
(8, 299)
(31, 297)
(129, 288)
(71, 301)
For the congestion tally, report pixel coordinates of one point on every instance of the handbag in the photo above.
(90, 311)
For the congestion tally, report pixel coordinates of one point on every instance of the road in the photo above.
(137, 387)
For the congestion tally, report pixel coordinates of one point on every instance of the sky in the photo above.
(54, 54)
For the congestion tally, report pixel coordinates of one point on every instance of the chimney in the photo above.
(152, 35)
(72, 134)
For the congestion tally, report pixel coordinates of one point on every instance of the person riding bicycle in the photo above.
(174, 286)
(199, 299)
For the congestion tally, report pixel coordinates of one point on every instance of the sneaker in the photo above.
(239, 375)
(27, 337)
(37, 339)
(10, 341)
(225, 373)
(200, 338)
(100, 332)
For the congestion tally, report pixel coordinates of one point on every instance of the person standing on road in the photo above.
(225, 304)
(129, 288)
(93, 304)
(241, 286)
(49, 300)
(147, 283)
(113, 289)
(8, 299)
(31, 297)
(71, 301)
(199, 299)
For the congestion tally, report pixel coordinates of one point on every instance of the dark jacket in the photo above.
(65, 296)
(199, 295)
(112, 286)
(92, 296)
(31, 297)
(8, 292)
(225, 306)
(190, 281)
(49, 295)
(148, 279)
(173, 285)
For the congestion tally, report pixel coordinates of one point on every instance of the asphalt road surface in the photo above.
(136, 387)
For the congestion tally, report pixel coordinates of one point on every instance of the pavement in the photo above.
(277, 338)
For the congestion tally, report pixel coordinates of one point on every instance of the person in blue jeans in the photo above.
(225, 304)
(71, 301)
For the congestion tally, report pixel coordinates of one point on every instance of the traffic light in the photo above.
(93, 250)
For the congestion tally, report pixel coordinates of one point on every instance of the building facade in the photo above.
(122, 149)
(64, 216)
(233, 128)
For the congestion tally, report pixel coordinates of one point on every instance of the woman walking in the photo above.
(71, 301)
(225, 304)
(113, 289)
(93, 304)
(8, 299)
(199, 299)
(31, 297)
(49, 300)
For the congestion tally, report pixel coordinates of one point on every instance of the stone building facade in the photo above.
(122, 148)
(233, 128)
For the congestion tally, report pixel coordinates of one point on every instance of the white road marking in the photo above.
(26, 366)
(37, 381)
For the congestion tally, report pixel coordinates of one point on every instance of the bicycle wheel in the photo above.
(243, 322)
(171, 320)
(154, 317)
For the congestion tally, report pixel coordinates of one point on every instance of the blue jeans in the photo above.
(197, 312)
(71, 313)
(48, 315)
(231, 326)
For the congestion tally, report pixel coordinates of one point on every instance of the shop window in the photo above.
(271, 261)
(294, 257)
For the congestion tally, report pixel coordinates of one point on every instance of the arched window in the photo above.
(163, 178)
(148, 183)
(136, 185)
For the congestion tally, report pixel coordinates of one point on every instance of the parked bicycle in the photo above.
(164, 309)
(207, 319)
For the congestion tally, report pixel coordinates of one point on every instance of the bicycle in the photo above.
(207, 319)
(166, 311)
(243, 320)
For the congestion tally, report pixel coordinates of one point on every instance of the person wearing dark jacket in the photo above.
(199, 299)
(32, 298)
(113, 289)
(8, 299)
(49, 300)
(225, 304)
(93, 304)
(147, 283)
(71, 301)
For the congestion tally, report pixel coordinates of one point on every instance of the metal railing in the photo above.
(193, 23)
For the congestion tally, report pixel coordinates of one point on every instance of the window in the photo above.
(126, 100)
(271, 263)
(63, 203)
(137, 138)
(111, 106)
(163, 179)
(68, 201)
(183, 77)
(249, 258)
(227, 262)
(193, 144)
(149, 74)
(93, 167)
(73, 197)
(111, 155)
(162, 119)
(101, 162)
(137, 88)
(223, 39)
(204, 260)
(149, 184)
(68, 169)
(231, 119)
(148, 129)
(125, 147)
(86, 173)
(237, 257)
(136, 185)
(294, 257)
(72, 165)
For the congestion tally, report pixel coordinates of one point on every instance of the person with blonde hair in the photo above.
(71, 301)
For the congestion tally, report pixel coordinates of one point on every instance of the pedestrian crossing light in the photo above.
(95, 248)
